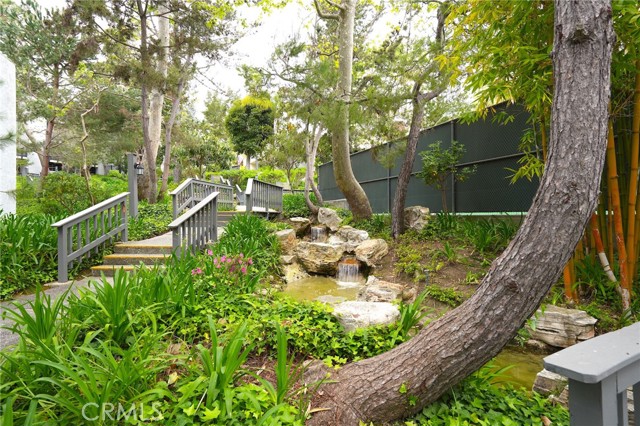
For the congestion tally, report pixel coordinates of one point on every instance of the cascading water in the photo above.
(318, 234)
(349, 272)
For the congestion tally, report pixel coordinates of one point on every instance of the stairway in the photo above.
(225, 216)
(128, 256)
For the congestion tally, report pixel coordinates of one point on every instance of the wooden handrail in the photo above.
(89, 230)
(192, 191)
(263, 195)
(195, 228)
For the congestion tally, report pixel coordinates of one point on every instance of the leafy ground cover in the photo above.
(205, 341)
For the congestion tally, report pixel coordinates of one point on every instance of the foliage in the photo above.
(152, 220)
(476, 402)
(377, 225)
(248, 235)
(285, 150)
(250, 124)
(439, 166)
(28, 252)
(447, 296)
(64, 194)
(294, 205)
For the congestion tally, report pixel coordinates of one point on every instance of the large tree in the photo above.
(47, 47)
(250, 124)
(457, 344)
(344, 13)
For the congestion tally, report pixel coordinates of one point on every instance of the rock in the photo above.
(563, 327)
(300, 225)
(288, 241)
(329, 218)
(352, 237)
(548, 383)
(562, 399)
(294, 272)
(319, 258)
(287, 259)
(376, 290)
(416, 217)
(336, 240)
(331, 300)
(372, 251)
(354, 315)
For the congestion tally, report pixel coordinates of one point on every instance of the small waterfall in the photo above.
(349, 271)
(318, 234)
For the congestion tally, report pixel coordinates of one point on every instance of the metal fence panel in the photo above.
(492, 147)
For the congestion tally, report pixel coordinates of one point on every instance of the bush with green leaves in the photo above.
(152, 220)
(28, 252)
(294, 205)
(64, 194)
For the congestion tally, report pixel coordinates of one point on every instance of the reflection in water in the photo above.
(313, 287)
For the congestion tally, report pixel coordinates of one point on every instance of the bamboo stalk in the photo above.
(568, 282)
(633, 180)
(612, 174)
(595, 232)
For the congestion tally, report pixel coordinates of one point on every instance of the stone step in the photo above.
(134, 259)
(109, 270)
(128, 248)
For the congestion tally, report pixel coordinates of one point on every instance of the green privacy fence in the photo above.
(490, 146)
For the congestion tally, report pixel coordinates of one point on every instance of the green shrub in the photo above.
(64, 194)
(293, 205)
(476, 401)
(236, 176)
(28, 252)
(152, 220)
(378, 225)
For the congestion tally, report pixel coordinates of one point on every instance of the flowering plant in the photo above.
(233, 272)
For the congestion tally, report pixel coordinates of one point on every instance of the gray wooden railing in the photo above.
(89, 231)
(195, 228)
(263, 197)
(599, 371)
(192, 191)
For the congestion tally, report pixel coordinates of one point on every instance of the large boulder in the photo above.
(354, 315)
(562, 327)
(352, 237)
(288, 241)
(300, 225)
(416, 217)
(371, 252)
(319, 258)
(294, 272)
(376, 290)
(329, 218)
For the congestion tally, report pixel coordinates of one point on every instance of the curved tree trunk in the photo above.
(309, 184)
(459, 343)
(345, 179)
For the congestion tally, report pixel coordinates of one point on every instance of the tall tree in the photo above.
(344, 13)
(47, 47)
(457, 344)
(250, 124)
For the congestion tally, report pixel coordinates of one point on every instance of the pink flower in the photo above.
(229, 260)
(196, 271)
(223, 258)
(241, 255)
(250, 261)
(210, 252)
(215, 261)
(240, 261)
(218, 265)
(244, 270)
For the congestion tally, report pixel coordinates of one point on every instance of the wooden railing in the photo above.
(192, 191)
(600, 371)
(197, 227)
(263, 197)
(89, 231)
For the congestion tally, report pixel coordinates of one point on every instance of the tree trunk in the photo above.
(345, 179)
(147, 181)
(311, 149)
(397, 211)
(45, 155)
(459, 343)
(156, 103)
(175, 108)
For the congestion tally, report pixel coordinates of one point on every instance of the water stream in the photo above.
(526, 366)
(349, 272)
(318, 234)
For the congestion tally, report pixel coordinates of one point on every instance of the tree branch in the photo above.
(323, 14)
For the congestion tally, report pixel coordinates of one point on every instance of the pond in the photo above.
(525, 367)
(313, 287)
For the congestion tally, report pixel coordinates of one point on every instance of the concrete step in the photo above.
(134, 259)
(109, 270)
(129, 248)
